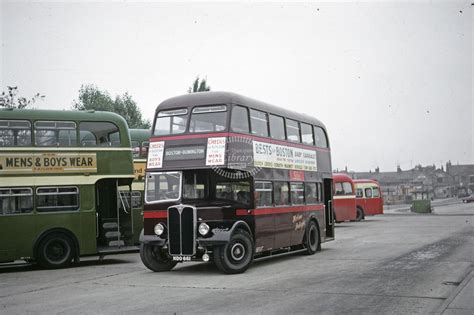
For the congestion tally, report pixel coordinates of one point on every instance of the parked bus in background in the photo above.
(344, 198)
(140, 142)
(231, 179)
(60, 176)
(369, 199)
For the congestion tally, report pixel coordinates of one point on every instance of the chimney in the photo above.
(377, 170)
(399, 170)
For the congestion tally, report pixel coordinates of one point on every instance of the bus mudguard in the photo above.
(151, 239)
(222, 235)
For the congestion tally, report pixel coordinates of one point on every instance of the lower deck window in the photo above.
(311, 193)
(57, 199)
(297, 193)
(263, 194)
(16, 200)
(136, 199)
(281, 193)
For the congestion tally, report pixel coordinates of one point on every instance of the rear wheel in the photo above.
(56, 250)
(311, 241)
(155, 259)
(237, 255)
(360, 214)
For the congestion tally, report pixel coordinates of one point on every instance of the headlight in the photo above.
(159, 229)
(203, 229)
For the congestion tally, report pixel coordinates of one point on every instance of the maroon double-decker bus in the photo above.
(231, 179)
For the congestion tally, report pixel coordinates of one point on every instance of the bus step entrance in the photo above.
(111, 234)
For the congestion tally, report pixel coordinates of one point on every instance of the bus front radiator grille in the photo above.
(182, 230)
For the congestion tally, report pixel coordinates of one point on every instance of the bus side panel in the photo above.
(345, 209)
(17, 234)
(87, 237)
(264, 232)
(284, 228)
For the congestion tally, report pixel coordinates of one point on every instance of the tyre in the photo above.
(311, 239)
(155, 259)
(360, 214)
(56, 250)
(237, 255)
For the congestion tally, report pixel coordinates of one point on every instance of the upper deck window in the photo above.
(208, 118)
(292, 130)
(320, 137)
(277, 127)
(259, 123)
(171, 122)
(240, 119)
(99, 133)
(15, 133)
(307, 134)
(55, 133)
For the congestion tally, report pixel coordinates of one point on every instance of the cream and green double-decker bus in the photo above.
(61, 173)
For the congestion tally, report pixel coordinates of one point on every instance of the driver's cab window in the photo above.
(194, 186)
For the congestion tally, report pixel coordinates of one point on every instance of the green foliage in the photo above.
(199, 86)
(90, 97)
(11, 100)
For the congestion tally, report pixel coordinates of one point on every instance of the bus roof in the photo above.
(74, 115)
(339, 177)
(210, 98)
(366, 182)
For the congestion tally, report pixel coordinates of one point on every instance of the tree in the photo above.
(91, 98)
(199, 86)
(10, 99)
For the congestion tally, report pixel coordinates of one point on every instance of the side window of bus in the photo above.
(320, 192)
(16, 200)
(15, 133)
(359, 193)
(144, 149)
(170, 122)
(235, 191)
(307, 134)
(240, 119)
(135, 148)
(281, 193)
(368, 192)
(292, 130)
(259, 123)
(55, 133)
(339, 191)
(99, 133)
(263, 194)
(208, 118)
(375, 192)
(51, 199)
(347, 188)
(297, 193)
(136, 198)
(320, 137)
(277, 127)
(311, 193)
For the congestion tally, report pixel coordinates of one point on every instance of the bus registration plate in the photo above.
(181, 258)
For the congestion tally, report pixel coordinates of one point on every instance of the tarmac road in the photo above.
(395, 263)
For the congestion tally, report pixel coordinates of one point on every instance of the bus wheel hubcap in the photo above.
(56, 250)
(237, 252)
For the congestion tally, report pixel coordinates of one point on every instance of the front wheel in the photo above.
(311, 241)
(155, 259)
(56, 250)
(237, 255)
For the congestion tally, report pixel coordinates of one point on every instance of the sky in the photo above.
(392, 81)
